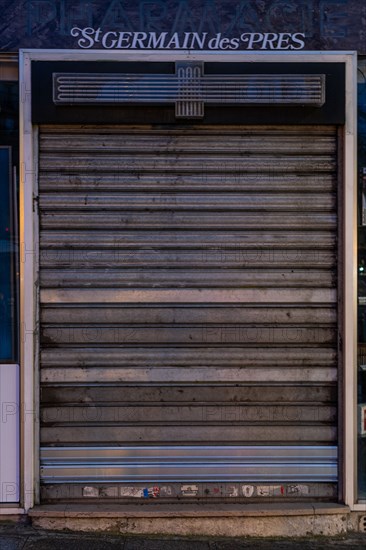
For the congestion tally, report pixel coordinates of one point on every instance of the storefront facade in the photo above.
(188, 255)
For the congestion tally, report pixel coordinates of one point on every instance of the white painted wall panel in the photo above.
(9, 433)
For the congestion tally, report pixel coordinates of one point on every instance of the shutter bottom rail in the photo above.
(234, 463)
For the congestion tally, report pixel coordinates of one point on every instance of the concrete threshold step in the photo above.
(186, 510)
(256, 520)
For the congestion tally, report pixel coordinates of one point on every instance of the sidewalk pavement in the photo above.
(17, 536)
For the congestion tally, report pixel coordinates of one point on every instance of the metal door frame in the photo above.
(29, 246)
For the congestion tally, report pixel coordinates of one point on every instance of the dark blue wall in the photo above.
(327, 24)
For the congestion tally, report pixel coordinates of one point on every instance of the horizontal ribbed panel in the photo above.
(203, 141)
(193, 278)
(228, 414)
(185, 164)
(102, 239)
(188, 292)
(173, 256)
(212, 435)
(241, 314)
(160, 334)
(206, 355)
(188, 204)
(252, 89)
(221, 296)
(248, 394)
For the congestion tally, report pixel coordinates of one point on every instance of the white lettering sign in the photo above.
(88, 37)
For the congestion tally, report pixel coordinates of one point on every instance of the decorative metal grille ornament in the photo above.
(189, 89)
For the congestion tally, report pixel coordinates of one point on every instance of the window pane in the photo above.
(7, 278)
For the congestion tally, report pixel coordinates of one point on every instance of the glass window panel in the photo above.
(8, 321)
(9, 264)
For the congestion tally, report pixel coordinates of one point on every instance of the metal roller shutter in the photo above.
(188, 299)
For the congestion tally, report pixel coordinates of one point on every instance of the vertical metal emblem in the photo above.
(190, 101)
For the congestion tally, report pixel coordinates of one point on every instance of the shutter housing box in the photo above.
(269, 84)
